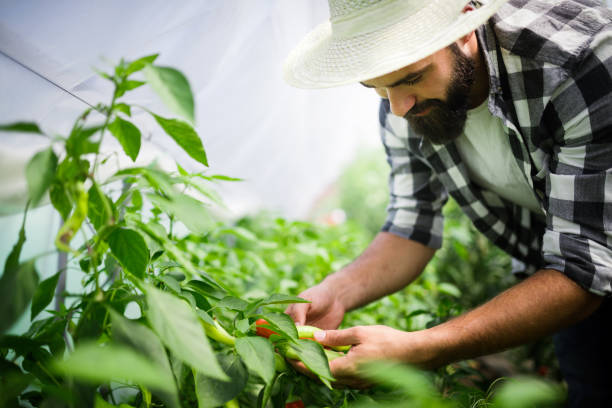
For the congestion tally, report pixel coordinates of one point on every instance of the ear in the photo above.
(463, 41)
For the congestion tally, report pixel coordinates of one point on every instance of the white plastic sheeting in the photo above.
(287, 144)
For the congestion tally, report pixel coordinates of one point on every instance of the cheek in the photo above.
(434, 87)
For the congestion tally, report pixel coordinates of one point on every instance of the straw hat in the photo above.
(365, 39)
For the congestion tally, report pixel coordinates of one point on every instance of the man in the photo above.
(507, 107)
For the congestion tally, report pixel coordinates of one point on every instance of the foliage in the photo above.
(192, 297)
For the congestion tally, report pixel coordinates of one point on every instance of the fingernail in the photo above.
(319, 335)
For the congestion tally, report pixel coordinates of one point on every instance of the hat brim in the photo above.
(322, 61)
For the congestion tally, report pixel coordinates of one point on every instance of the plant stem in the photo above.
(109, 113)
(48, 373)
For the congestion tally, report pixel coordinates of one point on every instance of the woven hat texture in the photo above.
(364, 39)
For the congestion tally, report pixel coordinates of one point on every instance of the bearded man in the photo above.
(506, 106)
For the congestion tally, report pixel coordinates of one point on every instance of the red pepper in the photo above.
(263, 331)
(295, 404)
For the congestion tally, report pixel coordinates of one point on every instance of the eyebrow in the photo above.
(408, 78)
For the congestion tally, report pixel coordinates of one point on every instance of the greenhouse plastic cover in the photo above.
(287, 144)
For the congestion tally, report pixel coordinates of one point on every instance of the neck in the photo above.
(480, 88)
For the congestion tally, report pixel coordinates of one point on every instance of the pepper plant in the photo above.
(177, 349)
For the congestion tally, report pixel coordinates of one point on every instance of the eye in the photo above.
(412, 81)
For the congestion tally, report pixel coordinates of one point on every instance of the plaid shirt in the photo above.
(550, 79)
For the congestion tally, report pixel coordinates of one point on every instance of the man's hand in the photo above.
(369, 343)
(388, 264)
(536, 307)
(325, 310)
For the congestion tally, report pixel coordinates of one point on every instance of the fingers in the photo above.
(346, 371)
(338, 337)
(298, 312)
(301, 367)
(342, 373)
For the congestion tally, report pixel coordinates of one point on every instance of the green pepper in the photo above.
(307, 332)
(288, 352)
(279, 363)
(217, 332)
(74, 222)
(332, 355)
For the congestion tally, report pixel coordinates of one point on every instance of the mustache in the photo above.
(423, 106)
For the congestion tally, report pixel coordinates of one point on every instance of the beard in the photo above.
(446, 120)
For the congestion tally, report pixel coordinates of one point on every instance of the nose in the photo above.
(401, 100)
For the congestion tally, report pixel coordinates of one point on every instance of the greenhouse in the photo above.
(331, 203)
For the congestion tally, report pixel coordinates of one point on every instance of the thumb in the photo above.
(344, 337)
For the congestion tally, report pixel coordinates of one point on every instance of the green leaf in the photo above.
(17, 287)
(71, 169)
(124, 108)
(139, 64)
(25, 127)
(277, 388)
(40, 173)
(43, 295)
(213, 393)
(185, 136)
(233, 303)
(103, 74)
(60, 200)
(449, 289)
(181, 170)
(280, 323)
(274, 299)
(527, 392)
(48, 331)
(89, 326)
(410, 380)
(17, 284)
(172, 283)
(312, 355)
(188, 210)
(242, 325)
(173, 89)
(95, 364)
(22, 345)
(188, 296)
(179, 329)
(125, 86)
(13, 382)
(158, 233)
(99, 402)
(208, 290)
(78, 142)
(136, 199)
(225, 178)
(128, 136)
(141, 338)
(205, 316)
(97, 211)
(278, 298)
(129, 85)
(258, 355)
(130, 249)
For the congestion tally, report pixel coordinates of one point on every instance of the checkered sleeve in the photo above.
(416, 196)
(578, 202)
